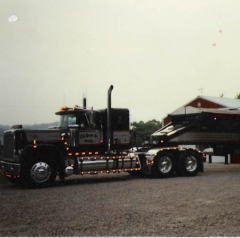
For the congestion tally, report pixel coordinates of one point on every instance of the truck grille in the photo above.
(8, 150)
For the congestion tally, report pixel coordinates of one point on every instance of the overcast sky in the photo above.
(157, 54)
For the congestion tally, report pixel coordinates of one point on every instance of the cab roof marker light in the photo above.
(63, 108)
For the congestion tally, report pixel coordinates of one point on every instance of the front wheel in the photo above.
(188, 163)
(164, 165)
(41, 172)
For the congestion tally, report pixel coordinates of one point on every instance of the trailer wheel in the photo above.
(163, 166)
(41, 172)
(188, 163)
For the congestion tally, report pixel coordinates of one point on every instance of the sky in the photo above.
(158, 55)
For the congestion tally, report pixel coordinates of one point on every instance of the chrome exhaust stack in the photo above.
(109, 124)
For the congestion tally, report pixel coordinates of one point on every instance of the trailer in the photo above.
(218, 129)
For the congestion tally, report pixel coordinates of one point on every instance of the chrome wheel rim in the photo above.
(191, 163)
(40, 172)
(165, 164)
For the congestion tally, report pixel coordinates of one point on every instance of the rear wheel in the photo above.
(40, 172)
(188, 163)
(164, 165)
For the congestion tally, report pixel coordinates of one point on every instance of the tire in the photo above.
(39, 172)
(164, 165)
(188, 163)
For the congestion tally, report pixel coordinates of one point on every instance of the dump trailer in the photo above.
(171, 144)
(216, 128)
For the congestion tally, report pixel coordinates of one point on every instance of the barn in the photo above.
(207, 102)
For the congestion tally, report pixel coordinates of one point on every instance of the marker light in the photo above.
(34, 144)
(64, 108)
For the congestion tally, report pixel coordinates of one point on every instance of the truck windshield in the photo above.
(84, 120)
(66, 120)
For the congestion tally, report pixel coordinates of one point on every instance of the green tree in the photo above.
(237, 96)
(142, 130)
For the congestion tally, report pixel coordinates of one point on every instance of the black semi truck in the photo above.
(89, 141)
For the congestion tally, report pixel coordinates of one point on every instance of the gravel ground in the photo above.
(121, 205)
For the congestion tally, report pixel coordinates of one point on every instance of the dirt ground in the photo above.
(121, 205)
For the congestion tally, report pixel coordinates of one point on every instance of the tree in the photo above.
(237, 96)
(142, 130)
